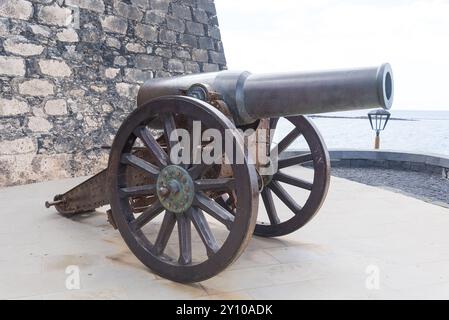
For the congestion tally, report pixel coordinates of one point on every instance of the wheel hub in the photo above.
(175, 189)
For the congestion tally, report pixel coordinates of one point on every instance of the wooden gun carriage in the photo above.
(188, 219)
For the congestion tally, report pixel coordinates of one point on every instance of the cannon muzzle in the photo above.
(254, 96)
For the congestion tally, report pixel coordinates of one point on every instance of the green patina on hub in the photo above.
(175, 189)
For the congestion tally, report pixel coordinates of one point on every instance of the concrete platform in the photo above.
(366, 243)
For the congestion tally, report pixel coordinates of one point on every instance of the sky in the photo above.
(295, 35)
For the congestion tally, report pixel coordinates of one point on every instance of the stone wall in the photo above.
(70, 71)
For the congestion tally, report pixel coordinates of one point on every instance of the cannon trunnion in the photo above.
(183, 183)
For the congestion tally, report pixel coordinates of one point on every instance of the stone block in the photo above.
(67, 35)
(146, 32)
(55, 15)
(36, 87)
(192, 67)
(161, 5)
(16, 9)
(135, 47)
(19, 45)
(13, 107)
(114, 24)
(38, 124)
(111, 73)
(17, 146)
(181, 11)
(147, 62)
(213, 32)
(188, 40)
(54, 68)
(163, 52)
(113, 42)
(200, 15)
(41, 30)
(210, 67)
(120, 61)
(56, 107)
(155, 17)
(195, 28)
(127, 11)
(206, 43)
(98, 88)
(12, 66)
(183, 54)
(167, 36)
(207, 5)
(175, 24)
(51, 167)
(175, 65)
(217, 57)
(127, 90)
(137, 75)
(200, 55)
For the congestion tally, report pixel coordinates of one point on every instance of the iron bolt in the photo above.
(174, 186)
(164, 191)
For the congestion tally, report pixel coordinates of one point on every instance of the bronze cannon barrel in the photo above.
(255, 96)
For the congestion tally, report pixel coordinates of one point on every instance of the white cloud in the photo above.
(283, 35)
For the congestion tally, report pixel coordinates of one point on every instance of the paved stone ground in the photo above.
(428, 187)
(362, 233)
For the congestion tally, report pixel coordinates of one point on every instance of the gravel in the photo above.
(428, 187)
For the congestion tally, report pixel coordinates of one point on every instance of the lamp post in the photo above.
(378, 120)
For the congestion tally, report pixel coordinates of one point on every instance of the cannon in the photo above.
(186, 218)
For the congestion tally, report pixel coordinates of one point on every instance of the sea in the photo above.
(412, 131)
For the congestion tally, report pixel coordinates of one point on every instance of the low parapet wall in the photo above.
(391, 159)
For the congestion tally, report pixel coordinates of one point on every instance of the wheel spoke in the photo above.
(224, 204)
(146, 216)
(137, 191)
(202, 227)
(219, 184)
(185, 239)
(286, 141)
(267, 198)
(164, 232)
(155, 149)
(294, 160)
(282, 177)
(214, 209)
(141, 164)
(283, 195)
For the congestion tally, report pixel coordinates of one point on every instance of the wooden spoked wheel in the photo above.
(182, 234)
(315, 190)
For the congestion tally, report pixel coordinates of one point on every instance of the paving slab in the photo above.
(366, 243)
